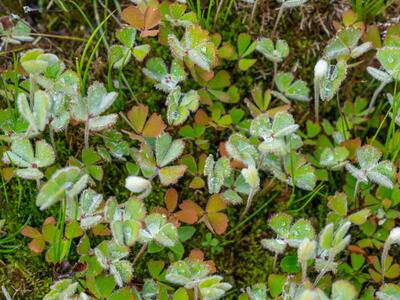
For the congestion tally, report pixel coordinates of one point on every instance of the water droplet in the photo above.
(175, 115)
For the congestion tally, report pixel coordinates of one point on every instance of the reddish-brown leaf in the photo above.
(37, 245)
(133, 16)
(171, 199)
(218, 222)
(30, 232)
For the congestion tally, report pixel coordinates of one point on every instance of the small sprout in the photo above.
(29, 161)
(66, 182)
(245, 47)
(138, 185)
(216, 173)
(275, 53)
(194, 274)
(180, 105)
(88, 109)
(195, 46)
(371, 169)
(250, 175)
(157, 70)
(290, 89)
(120, 55)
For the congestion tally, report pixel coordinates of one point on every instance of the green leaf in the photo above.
(239, 148)
(281, 223)
(389, 58)
(275, 284)
(299, 231)
(289, 264)
(295, 90)
(275, 53)
(66, 182)
(181, 105)
(338, 203)
(343, 290)
(167, 150)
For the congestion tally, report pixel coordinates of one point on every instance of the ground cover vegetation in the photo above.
(207, 150)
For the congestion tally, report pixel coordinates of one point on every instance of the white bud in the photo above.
(320, 69)
(137, 184)
(394, 236)
(251, 177)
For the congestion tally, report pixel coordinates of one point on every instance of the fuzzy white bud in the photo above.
(321, 68)
(137, 184)
(394, 236)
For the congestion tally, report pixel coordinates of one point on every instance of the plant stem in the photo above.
(316, 99)
(253, 13)
(375, 95)
(196, 292)
(277, 20)
(87, 134)
(303, 271)
(275, 260)
(355, 199)
(217, 12)
(385, 252)
(38, 184)
(249, 201)
(274, 74)
(139, 254)
(53, 142)
(323, 271)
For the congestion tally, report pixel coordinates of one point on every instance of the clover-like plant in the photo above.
(216, 171)
(36, 117)
(157, 70)
(344, 45)
(275, 53)
(332, 240)
(388, 56)
(290, 88)
(120, 55)
(125, 222)
(110, 256)
(28, 161)
(244, 48)
(144, 19)
(87, 211)
(195, 47)
(288, 233)
(195, 274)
(275, 133)
(334, 158)
(14, 33)
(157, 229)
(154, 161)
(88, 109)
(176, 14)
(65, 183)
(371, 169)
(180, 105)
